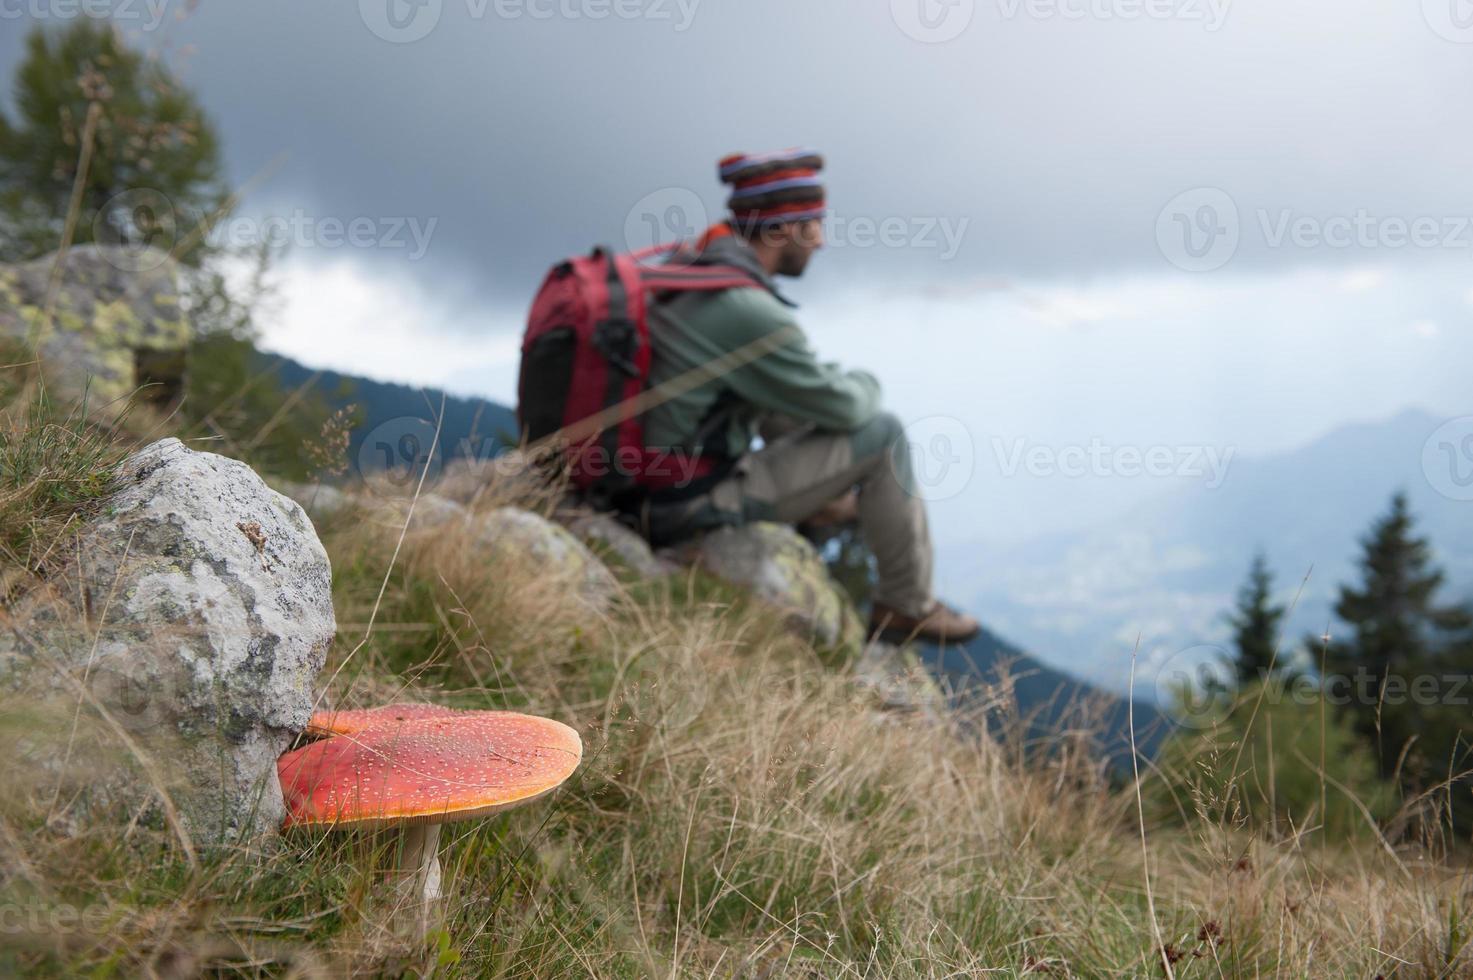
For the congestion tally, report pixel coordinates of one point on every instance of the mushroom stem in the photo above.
(419, 859)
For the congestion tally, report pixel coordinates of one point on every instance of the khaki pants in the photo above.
(796, 474)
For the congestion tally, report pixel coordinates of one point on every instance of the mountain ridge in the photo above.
(1168, 568)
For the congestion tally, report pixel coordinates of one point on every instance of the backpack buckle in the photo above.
(618, 341)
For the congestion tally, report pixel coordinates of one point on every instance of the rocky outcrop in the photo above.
(117, 321)
(321, 501)
(430, 511)
(522, 540)
(325, 502)
(605, 535)
(777, 565)
(197, 615)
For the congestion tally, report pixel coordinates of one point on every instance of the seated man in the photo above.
(834, 436)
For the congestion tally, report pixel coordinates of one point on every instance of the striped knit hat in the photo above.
(770, 188)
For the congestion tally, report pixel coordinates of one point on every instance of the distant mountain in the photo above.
(1167, 571)
(397, 422)
(1048, 702)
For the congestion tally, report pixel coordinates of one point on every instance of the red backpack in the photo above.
(586, 363)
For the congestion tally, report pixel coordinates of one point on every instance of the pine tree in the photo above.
(1399, 633)
(154, 177)
(155, 167)
(1255, 623)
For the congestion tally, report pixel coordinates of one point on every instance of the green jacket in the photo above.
(722, 413)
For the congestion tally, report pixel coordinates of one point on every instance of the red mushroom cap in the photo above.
(427, 770)
(360, 719)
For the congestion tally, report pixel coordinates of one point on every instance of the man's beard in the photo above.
(793, 264)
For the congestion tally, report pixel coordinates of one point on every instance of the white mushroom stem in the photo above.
(419, 859)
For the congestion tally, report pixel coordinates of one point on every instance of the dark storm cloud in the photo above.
(1013, 137)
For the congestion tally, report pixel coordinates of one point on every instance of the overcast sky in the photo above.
(1235, 223)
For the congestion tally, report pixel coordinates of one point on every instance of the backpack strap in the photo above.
(617, 338)
(695, 278)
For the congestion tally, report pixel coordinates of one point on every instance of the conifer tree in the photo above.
(1255, 623)
(154, 170)
(1399, 633)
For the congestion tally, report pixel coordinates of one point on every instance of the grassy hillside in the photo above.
(744, 809)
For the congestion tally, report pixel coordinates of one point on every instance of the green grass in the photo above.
(55, 465)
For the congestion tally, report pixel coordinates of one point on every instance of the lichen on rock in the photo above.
(112, 304)
(604, 533)
(778, 566)
(514, 537)
(196, 616)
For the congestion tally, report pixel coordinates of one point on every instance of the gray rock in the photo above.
(211, 606)
(464, 480)
(605, 532)
(777, 565)
(430, 511)
(515, 536)
(116, 310)
(321, 500)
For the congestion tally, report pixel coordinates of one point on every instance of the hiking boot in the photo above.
(939, 624)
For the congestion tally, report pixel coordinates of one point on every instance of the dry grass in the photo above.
(742, 811)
